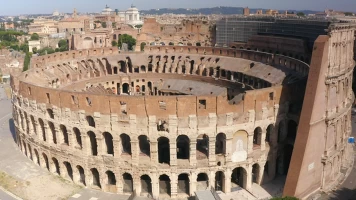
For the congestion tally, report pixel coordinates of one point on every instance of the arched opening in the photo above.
(96, 178)
(125, 144)
(144, 145)
(50, 113)
(292, 131)
(269, 132)
(198, 44)
(56, 166)
(45, 158)
(90, 121)
(111, 179)
(146, 185)
(115, 70)
(220, 144)
(183, 146)
(164, 185)
(255, 173)
(109, 143)
(69, 170)
(202, 182)
(143, 69)
(183, 184)
(78, 138)
(163, 150)
(257, 137)
(220, 181)
(81, 178)
(125, 88)
(53, 131)
(37, 157)
(238, 179)
(138, 89)
(142, 46)
(127, 183)
(202, 147)
(43, 130)
(30, 152)
(33, 124)
(281, 132)
(64, 134)
(171, 44)
(93, 143)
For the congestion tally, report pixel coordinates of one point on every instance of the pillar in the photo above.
(173, 153)
(174, 186)
(263, 139)
(193, 153)
(193, 183)
(135, 150)
(228, 174)
(155, 186)
(212, 158)
(154, 154)
(248, 177)
(249, 144)
(228, 149)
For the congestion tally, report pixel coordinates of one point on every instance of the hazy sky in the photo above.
(12, 7)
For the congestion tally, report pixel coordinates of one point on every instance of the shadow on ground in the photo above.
(12, 129)
(343, 194)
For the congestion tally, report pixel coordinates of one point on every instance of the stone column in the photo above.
(174, 186)
(154, 154)
(173, 153)
(100, 146)
(38, 130)
(119, 184)
(86, 144)
(193, 153)
(249, 144)
(260, 173)
(211, 179)
(263, 139)
(228, 174)
(135, 150)
(249, 177)
(117, 145)
(48, 133)
(212, 158)
(193, 183)
(155, 186)
(137, 184)
(228, 149)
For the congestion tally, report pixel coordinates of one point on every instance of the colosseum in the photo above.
(174, 120)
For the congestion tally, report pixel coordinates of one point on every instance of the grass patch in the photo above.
(12, 184)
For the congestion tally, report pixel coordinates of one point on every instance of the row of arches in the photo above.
(108, 180)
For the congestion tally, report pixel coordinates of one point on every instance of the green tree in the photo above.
(300, 14)
(103, 24)
(45, 51)
(348, 14)
(63, 45)
(128, 39)
(35, 36)
(113, 43)
(34, 49)
(24, 48)
(27, 61)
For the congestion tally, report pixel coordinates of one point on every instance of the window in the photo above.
(88, 101)
(271, 96)
(162, 105)
(48, 98)
(29, 91)
(202, 104)
(74, 100)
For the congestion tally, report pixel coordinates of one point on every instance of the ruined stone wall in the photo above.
(321, 151)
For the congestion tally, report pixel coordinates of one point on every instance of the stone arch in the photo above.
(269, 133)
(56, 168)
(202, 181)
(257, 138)
(111, 179)
(144, 145)
(163, 150)
(127, 183)
(239, 146)
(37, 156)
(202, 147)
(95, 178)
(93, 143)
(50, 113)
(183, 184)
(78, 138)
(220, 144)
(238, 178)
(125, 144)
(220, 181)
(164, 185)
(64, 134)
(146, 185)
(81, 177)
(90, 121)
(43, 130)
(183, 147)
(69, 170)
(53, 131)
(109, 143)
(45, 158)
(256, 173)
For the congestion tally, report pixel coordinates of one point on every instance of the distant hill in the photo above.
(209, 11)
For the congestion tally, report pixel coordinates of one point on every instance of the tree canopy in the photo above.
(63, 45)
(128, 39)
(301, 14)
(284, 198)
(35, 36)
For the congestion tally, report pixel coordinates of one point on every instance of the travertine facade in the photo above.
(172, 120)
